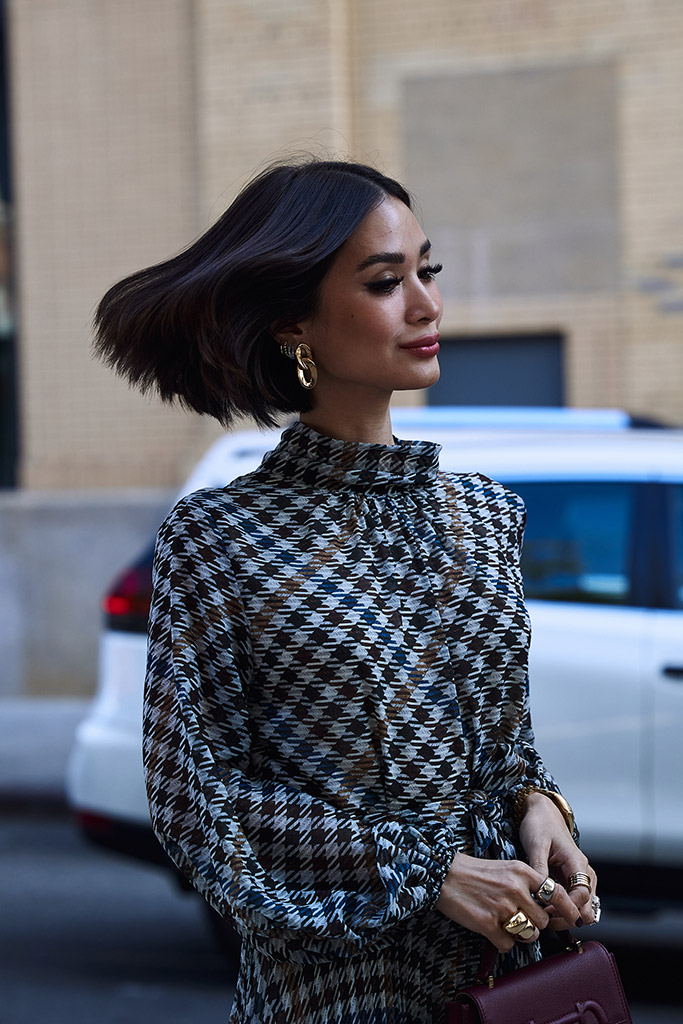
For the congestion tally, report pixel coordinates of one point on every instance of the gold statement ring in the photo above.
(520, 926)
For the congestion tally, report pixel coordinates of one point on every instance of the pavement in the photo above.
(36, 736)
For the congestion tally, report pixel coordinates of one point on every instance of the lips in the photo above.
(427, 345)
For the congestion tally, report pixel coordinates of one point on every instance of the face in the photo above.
(375, 330)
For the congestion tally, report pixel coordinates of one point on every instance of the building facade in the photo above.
(543, 139)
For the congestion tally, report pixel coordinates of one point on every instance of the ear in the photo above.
(288, 335)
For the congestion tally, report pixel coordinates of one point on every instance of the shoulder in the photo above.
(188, 534)
(488, 502)
(221, 506)
(223, 518)
(486, 493)
(199, 520)
(191, 512)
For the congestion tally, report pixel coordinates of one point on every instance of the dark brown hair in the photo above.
(198, 328)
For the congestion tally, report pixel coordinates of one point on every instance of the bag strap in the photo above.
(489, 956)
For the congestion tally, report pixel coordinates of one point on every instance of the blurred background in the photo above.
(543, 140)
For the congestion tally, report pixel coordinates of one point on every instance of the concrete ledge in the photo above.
(59, 551)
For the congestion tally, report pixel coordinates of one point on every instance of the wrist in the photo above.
(523, 802)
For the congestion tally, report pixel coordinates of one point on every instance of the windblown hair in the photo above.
(198, 328)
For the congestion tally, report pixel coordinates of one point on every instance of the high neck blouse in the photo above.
(305, 456)
(336, 704)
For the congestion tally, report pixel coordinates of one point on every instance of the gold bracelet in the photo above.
(518, 803)
(563, 806)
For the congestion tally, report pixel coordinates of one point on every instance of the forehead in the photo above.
(390, 227)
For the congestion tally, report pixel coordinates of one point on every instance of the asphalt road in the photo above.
(90, 937)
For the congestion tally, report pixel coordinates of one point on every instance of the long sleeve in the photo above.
(306, 879)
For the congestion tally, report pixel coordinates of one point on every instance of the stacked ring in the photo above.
(520, 926)
(580, 880)
(544, 894)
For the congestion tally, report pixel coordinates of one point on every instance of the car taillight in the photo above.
(126, 604)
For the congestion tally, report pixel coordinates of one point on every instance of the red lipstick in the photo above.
(425, 347)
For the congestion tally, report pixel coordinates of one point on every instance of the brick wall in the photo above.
(105, 179)
(625, 346)
(135, 122)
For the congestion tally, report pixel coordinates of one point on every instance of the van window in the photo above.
(678, 545)
(576, 545)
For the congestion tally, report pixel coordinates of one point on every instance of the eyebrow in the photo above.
(390, 257)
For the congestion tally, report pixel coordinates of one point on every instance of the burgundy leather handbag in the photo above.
(578, 986)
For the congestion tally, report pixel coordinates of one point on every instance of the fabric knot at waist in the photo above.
(488, 803)
(486, 822)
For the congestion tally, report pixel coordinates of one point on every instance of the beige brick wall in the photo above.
(623, 348)
(135, 122)
(273, 79)
(104, 165)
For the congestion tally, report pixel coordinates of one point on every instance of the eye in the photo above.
(429, 271)
(384, 286)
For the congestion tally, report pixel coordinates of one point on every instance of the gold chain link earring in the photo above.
(306, 369)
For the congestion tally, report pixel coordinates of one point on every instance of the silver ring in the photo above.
(544, 894)
(597, 908)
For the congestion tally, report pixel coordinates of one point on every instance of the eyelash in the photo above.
(387, 284)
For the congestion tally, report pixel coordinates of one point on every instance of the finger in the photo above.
(585, 906)
(539, 863)
(558, 924)
(575, 866)
(502, 943)
(581, 898)
(564, 908)
(543, 898)
(537, 915)
(505, 942)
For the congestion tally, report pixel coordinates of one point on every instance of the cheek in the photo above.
(354, 331)
(378, 319)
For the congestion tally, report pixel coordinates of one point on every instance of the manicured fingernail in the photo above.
(579, 922)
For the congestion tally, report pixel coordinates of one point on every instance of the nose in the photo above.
(424, 302)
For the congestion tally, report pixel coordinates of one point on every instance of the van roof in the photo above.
(510, 444)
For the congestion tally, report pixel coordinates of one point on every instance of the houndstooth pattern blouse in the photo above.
(336, 703)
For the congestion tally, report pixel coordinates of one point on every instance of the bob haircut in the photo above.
(198, 328)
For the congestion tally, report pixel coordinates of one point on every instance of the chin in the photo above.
(428, 376)
(420, 376)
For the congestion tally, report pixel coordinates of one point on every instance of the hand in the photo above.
(483, 894)
(552, 851)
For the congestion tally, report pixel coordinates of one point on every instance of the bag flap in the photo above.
(574, 988)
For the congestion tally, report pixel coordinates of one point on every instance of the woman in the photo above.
(337, 738)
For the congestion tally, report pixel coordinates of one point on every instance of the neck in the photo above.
(371, 426)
